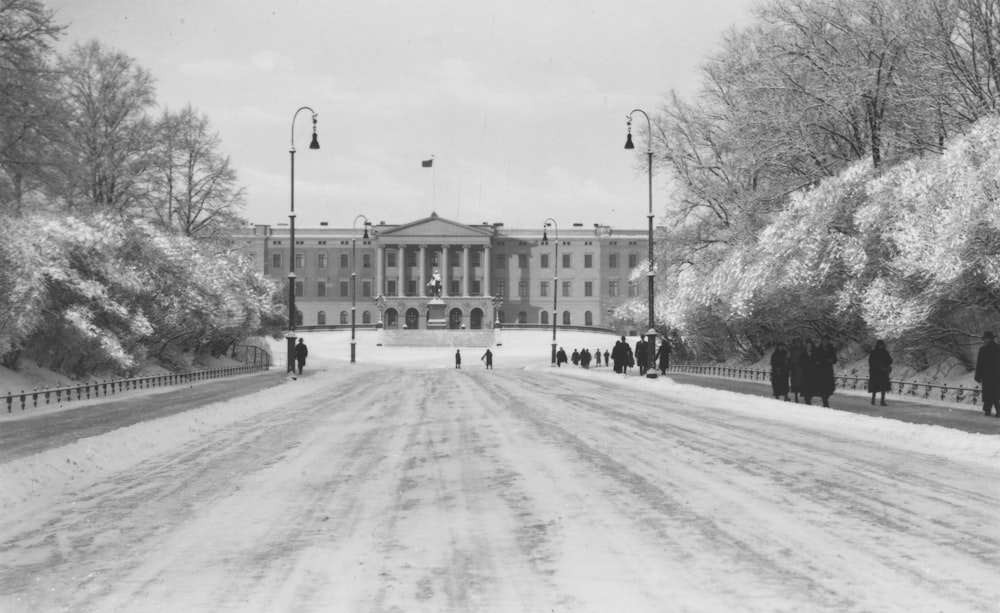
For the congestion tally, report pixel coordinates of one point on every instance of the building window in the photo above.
(522, 260)
(345, 289)
(366, 260)
(300, 288)
(453, 287)
(543, 317)
(434, 258)
(613, 260)
(543, 289)
(588, 260)
(477, 288)
(390, 259)
(588, 319)
(366, 289)
(501, 260)
(588, 288)
(566, 261)
(391, 287)
(343, 317)
(300, 260)
(321, 260)
(545, 260)
(567, 288)
(321, 289)
(633, 289)
(477, 258)
(613, 288)
(411, 258)
(411, 287)
(366, 317)
(522, 289)
(276, 260)
(321, 318)
(522, 317)
(345, 260)
(566, 318)
(633, 260)
(501, 288)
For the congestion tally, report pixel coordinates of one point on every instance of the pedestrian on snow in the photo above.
(607, 357)
(585, 358)
(988, 373)
(640, 356)
(458, 358)
(629, 356)
(597, 354)
(488, 357)
(560, 357)
(879, 367)
(810, 371)
(826, 357)
(663, 356)
(795, 366)
(618, 355)
(575, 357)
(301, 351)
(780, 369)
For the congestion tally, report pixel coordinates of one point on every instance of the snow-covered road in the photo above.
(380, 489)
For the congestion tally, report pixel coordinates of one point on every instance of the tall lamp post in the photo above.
(291, 248)
(555, 279)
(651, 333)
(354, 277)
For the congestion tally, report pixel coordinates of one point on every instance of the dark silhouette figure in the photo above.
(640, 356)
(607, 357)
(796, 367)
(780, 370)
(561, 357)
(663, 356)
(301, 351)
(988, 373)
(488, 357)
(879, 367)
(575, 357)
(458, 358)
(597, 358)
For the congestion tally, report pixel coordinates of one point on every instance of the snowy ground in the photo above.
(402, 484)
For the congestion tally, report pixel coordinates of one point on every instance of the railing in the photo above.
(926, 391)
(559, 327)
(255, 359)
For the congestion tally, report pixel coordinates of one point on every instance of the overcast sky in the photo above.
(522, 103)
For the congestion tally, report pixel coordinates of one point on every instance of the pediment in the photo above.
(437, 229)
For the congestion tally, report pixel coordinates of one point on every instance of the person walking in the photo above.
(826, 357)
(301, 351)
(617, 355)
(597, 358)
(561, 357)
(488, 358)
(988, 373)
(795, 367)
(458, 358)
(810, 371)
(879, 367)
(575, 357)
(607, 358)
(663, 355)
(780, 367)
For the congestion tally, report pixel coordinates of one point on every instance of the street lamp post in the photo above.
(497, 305)
(354, 279)
(555, 279)
(291, 248)
(651, 333)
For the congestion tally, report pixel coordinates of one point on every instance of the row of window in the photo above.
(522, 318)
(501, 260)
(454, 288)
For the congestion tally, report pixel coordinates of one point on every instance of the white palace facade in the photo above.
(488, 273)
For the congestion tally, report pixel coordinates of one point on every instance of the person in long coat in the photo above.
(458, 358)
(988, 373)
(575, 356)
(796, 365)
(618, 355)
(879, 367)
(663, 355)
(301, 352)
(809, 367)
(561, 357)
(780, 369)
(640, 356)
(826, 357)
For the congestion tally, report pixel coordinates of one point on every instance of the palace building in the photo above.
(487, 273)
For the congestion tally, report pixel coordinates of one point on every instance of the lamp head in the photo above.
(366, 231)
(545, 236)
(628, 139)
(315, 141)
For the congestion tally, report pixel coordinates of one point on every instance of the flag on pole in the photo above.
(427, 163)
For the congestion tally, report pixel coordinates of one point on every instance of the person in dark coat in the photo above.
(618, 355)
(607, 356)
(488, 358)
(780, 369)
(988, 373)
(826, 357)
(575, 357)
(585, 358)
(640, 356)
(597, 356)
(795, 366)
(879, 367)
(301, 351)
(458, 358)
(561, 357)
(663, 355)
(809, 367)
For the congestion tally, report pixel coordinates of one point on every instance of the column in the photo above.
(444, 270)
(421, 288)
(400, 270)
(487, 266)
(466, 274)
(379, 270)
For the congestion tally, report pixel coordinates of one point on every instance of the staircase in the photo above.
(437, 338)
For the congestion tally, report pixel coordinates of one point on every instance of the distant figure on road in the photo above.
(795, 366)
(575, 357)
(640, 355)
(561, 357)
(988, 373)
(597, 358)
(826, 357)
(879, 367)
(607, 356)
(488, 357)
(780, 371)
(301, 351)
(663, 355)
(458, 358)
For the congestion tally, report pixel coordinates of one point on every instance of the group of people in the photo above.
(622, 357)
(486, 358)
(805, 368)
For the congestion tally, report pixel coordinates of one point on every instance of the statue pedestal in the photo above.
(436, 319)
